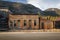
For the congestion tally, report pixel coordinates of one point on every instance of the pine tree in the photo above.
(39, 14)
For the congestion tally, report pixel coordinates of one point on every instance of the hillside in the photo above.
(52, 11)
(20, 8)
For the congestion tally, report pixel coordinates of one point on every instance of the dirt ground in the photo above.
(29, 36)
(41, 30)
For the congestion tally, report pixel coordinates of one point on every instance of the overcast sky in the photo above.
(42, 4)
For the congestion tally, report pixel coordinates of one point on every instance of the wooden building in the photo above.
(29, 21)
(33, 21)
(57, 23)
(24, 21)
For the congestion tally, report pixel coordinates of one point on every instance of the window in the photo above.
(18, 23)
(14, 23)
(29, 20)
(18, 20)
(24, 22)
(29, 23)
(11, 23)
(34, 22)
(42, 25)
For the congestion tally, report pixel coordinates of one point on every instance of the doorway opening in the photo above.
(57, 24)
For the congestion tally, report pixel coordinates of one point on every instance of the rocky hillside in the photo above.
(52, 11)
(20, 8)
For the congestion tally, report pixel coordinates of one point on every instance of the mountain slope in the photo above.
(20, 8)
(52, 11)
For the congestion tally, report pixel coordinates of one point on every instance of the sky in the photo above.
(42, 4)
